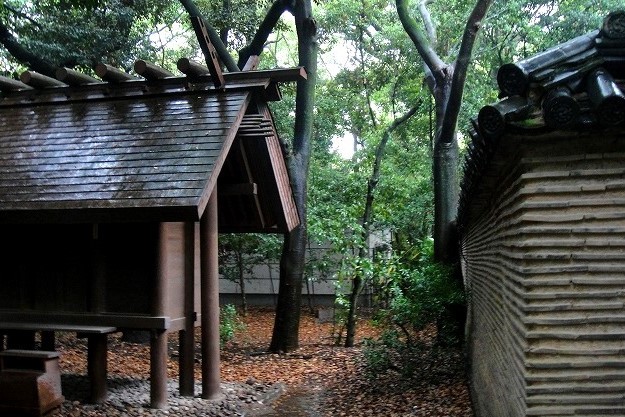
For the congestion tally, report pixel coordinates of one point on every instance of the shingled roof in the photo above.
(575, 86)
(149, 149)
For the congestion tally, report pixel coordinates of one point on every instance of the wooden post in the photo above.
(210, 300)
(186, 339)
(158, 337)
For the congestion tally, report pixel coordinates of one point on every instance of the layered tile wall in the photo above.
(544, 259)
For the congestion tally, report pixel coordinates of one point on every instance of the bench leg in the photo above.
(96, 366)
(158, 369)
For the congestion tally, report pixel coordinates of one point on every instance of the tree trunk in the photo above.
(445, 167)
(23, 55)
(241, 271)
(357, 284)
(285, 336)
(446, 82)
(286, 327)
(367, 220)
(223, 32)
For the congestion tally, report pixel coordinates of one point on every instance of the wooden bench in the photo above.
(30, 381)
(96, 348)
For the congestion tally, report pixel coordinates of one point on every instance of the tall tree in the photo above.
(292, 264)
(367, 217)
(382, 100)
(446, 82)
(286, 328)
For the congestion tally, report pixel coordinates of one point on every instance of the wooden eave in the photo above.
(254, 188)
(137, 150)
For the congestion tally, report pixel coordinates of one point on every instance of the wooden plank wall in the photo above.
(545, 268)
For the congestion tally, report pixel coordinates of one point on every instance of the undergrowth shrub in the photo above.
(415, 292)
(229, 323)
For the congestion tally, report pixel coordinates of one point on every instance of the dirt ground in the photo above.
(320, 379)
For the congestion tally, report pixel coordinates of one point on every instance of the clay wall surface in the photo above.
(544, 263)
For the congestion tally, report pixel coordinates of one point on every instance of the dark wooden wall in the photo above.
(78, 268)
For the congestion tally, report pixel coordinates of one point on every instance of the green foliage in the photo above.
(390, 352)
(229, 323)
(82, 33)
(244, 251)
(416, 292)
(419, 290)
(239, 19)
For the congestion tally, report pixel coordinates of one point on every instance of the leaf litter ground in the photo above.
(319, 379)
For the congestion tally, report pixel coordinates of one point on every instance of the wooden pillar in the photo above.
(186, 339)
(210, 300)
(158, 337)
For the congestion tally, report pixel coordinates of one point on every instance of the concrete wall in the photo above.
(544, 263)
(262, 283)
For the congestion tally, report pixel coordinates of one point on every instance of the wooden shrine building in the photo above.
(112, 193)
(542, 225)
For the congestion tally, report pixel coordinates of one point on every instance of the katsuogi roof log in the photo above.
(151, 71)
(73, 77)
(191, 68)
(37, 80)
(9, 84)
(112, 74)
